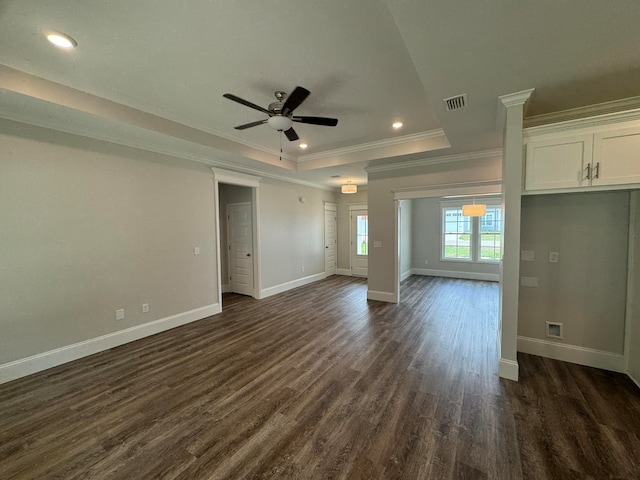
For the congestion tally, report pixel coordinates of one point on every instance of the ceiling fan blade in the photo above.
(252, 124)
(246, 103)
(327, 122)
(294, 100)
(291, 135)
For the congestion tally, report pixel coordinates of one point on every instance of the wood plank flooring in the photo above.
(320, 383)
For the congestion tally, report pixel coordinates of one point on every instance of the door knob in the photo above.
(248, 254)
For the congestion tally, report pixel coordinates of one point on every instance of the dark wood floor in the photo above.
(320, 383)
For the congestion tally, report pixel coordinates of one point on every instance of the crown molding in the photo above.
(182, 155)
(389, 142)
(461, 157)
(599, 109)
(517, 98)
(587, 122)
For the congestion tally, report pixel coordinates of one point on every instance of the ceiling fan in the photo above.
(280, 112)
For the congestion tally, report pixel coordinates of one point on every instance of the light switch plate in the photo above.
(527, 255)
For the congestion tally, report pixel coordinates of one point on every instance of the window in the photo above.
(456, 234)
(472, 239)
(362, 235)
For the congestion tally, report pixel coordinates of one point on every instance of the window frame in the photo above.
(475, 230)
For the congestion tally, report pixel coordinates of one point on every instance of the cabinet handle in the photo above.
(588, 172)
(596, 171)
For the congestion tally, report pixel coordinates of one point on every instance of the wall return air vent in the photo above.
(455, 103)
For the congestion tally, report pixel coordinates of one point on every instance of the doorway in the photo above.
(330, 240)
(238, 242)
(359, 242)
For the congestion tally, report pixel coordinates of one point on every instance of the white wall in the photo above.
(406, 237)
(88, 227)
(427, 220)
(343, 225)
(382, 211)
(586, 289)
(291, 232)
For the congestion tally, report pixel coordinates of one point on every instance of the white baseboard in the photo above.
(633, 380)
(343, 271)
(571, 353)
(405, 275)
(508, 369)
(283, 287)
(382, 296)
(490, 277)
(53, 358)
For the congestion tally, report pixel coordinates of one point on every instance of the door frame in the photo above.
(331, 207)
(243, 180)
(353, 207)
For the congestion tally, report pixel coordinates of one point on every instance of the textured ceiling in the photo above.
(155, 73)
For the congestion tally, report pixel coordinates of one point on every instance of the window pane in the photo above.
(490, 236)
(362, 234)
(456, 234)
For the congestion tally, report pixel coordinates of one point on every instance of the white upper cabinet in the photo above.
(557, 163)
(616, 157)
(583, 154)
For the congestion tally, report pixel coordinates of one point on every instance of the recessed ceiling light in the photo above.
(61, 40)
(397, 125)
(303, 145)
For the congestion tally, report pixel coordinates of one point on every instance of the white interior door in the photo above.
(359, 243)
(330, 225)
(240, 238)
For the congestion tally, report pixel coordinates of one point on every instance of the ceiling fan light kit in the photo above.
(280, 113)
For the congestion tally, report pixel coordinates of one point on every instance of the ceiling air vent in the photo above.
(456, 103)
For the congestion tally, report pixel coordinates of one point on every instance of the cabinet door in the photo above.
(558, 163)
(618, 154)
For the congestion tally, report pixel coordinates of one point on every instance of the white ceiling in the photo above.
(151, 74)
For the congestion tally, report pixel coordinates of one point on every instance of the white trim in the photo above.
(389, 297)
(52, 358)
(633, 380)
(387, 142)
(517, 98)
(357, 206)
(572, 353)
(508, 101)
(461, 157)
(508, 369)
(283, 287)
(484, 187)
(344, 271)
(406, 275)
(631, 287)
(235, 178)
(590, 116)
(588, 125)
(488, 277)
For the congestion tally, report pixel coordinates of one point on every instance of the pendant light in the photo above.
(349, 188)
(474, 210)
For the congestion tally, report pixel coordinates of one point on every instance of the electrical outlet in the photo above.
(145, 308)
(426, 262)
(196, 251)
(302, 269)
(120, 314)
(553, 257)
